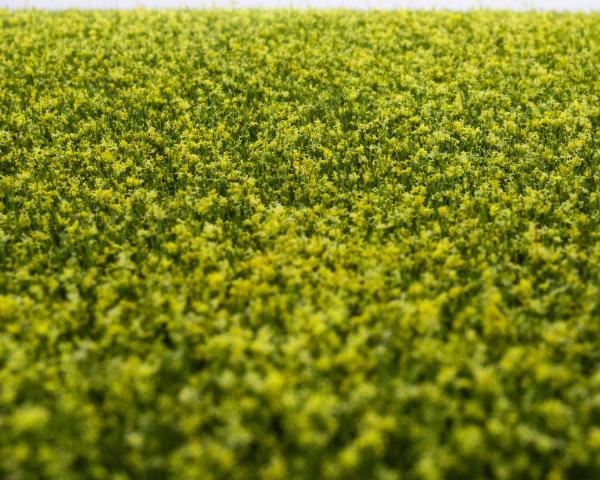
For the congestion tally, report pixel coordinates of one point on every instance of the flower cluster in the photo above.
(299, 245)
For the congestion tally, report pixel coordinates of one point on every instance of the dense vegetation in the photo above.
(289, 245)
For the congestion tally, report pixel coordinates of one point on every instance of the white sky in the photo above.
(576, 5)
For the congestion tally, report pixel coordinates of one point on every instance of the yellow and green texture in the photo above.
(299, 245)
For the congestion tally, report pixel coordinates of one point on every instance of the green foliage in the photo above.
(287, 245)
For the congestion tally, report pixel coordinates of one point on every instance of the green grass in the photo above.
(287, 245)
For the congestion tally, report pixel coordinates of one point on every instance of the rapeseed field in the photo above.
(299, 245)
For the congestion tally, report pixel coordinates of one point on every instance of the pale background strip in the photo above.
(572, 5)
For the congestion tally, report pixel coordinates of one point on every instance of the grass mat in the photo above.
(299, 245)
